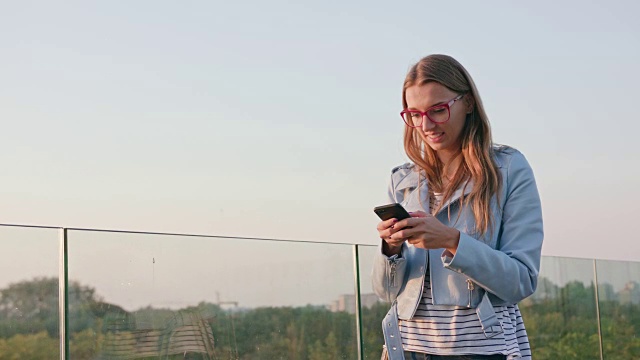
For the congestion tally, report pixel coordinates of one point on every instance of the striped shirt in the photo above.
(456, 330)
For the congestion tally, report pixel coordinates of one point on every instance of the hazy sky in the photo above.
(280, 119)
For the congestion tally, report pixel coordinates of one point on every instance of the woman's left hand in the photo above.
(426, 232)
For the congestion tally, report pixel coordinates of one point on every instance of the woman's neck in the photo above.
(451, 162)
(446, 156)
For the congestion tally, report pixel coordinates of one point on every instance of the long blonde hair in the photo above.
(478, 164)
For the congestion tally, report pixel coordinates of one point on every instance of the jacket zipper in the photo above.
(470, 288)
(392, 275)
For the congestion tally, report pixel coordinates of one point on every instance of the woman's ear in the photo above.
(469, 102)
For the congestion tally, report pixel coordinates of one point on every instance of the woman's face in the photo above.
(443, 138)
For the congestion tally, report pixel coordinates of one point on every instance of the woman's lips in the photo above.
(436, 137)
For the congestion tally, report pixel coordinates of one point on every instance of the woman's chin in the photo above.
(435, 146)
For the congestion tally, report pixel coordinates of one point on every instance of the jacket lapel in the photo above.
(409, 183)
(465, 189)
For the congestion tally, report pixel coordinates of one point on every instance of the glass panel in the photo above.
(29, 293)
(373, 309)
(560, 317)
(154, 296)
(619, 295)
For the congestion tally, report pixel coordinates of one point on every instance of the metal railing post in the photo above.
(595, 279)
(356, 272)
(63, 301)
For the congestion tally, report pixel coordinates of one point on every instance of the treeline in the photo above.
(561, 322)
(29, 327)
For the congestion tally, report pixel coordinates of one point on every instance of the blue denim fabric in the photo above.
(418, 356)
(409, 355)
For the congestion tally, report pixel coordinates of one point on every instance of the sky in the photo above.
(280, 119)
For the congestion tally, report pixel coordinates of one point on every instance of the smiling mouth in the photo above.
(435, 135)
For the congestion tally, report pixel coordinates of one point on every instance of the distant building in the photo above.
(347, 302)
(630, 294)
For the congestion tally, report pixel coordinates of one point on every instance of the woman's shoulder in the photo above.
(506, 156)
(403, 169)
(514, 165)
(403, 175)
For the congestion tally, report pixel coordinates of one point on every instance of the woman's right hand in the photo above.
(385, 230)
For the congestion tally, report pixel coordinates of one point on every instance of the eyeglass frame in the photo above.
(446, 105)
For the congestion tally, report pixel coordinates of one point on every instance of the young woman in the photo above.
(457, 268)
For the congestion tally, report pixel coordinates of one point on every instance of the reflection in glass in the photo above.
(149, 296)
(560, 316)
(619, 295)
(29, 293)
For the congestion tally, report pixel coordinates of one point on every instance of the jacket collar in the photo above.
(411, 181)
(468, 186)
(464, 189)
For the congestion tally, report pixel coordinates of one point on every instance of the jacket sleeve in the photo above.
(388, 271)
(511, 271)
(388, 274)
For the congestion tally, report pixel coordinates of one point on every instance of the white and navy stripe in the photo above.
(455, 330)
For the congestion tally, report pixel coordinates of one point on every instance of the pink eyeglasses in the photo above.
(438, 114)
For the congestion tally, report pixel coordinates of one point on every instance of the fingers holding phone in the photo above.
(386, 228)
(390, 215)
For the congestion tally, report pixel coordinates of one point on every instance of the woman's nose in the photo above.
(427, 124)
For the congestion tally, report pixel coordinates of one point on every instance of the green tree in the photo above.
(38, 346)
(29, 307)
(326, 350)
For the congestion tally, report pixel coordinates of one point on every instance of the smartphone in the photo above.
(386, 212)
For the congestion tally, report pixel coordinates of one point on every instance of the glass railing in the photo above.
(619, 295)
(161, 296)
(29, 293)
(126, 295)
(561, 316)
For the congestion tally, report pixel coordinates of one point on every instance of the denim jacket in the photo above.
(499, 268)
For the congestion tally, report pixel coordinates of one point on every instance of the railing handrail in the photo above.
(228, 237)
(142, 232)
